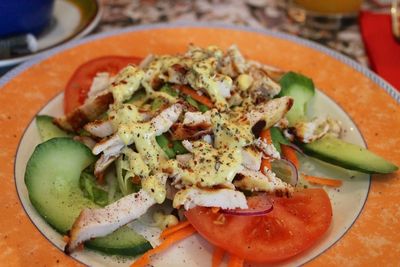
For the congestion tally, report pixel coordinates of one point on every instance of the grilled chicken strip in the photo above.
(112, 147)
(223, 198)
(307, 132)
(251, 158)
(161, 124)
(257, 181)
(93, 223)
(268, 149)
(90, 111)
(270, 112)
(99, 128)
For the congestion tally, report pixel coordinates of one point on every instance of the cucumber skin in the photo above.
(40, 187)
(109, 244)
(47, 130)
(127, 249)
(348, 156)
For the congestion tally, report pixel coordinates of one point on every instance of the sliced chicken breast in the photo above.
(111, 146)
(100, 83)
(270, 112)
(99, 128)
(101, 165)
(114, 145)
(251, 158)
(223, 198)
(257, 181)
(166, 118)
(196, 118)
(93, 223)
(268, 149)
(90, 111)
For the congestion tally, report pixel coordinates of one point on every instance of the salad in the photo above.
(209, 134)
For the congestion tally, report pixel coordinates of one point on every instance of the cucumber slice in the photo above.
(328, 148)
(123, 241)
(52, 179)
(346, 155)
(47, 129)
(301, 89)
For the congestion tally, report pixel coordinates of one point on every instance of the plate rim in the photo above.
(90, 25)
(382, 83)
(42, 232)
(342, 58)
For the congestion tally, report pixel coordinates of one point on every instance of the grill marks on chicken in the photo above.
(224, 154)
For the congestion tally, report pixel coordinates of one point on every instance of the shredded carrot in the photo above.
(265, 163)
(169, 241)
(290, 154)
(192, 93)
(144, 260)
(170, 230)
(66, 238)
(217, 257)
(322, 180)
(215, 209)
(266, 136)
(235, 261)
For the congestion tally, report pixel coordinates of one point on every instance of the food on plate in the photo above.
(209, 134)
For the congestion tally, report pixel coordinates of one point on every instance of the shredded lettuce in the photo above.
(91, 189)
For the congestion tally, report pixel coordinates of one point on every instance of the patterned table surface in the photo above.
(271, 14)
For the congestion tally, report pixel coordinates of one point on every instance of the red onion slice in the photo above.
(258, 206)
(286, 171)
(295, 147)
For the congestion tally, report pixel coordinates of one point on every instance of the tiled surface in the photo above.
(268, 14)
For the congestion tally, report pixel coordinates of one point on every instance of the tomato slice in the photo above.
(293, 225)
(78, 86)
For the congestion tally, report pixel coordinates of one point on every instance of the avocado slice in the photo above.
(328, 148)
(346, 155)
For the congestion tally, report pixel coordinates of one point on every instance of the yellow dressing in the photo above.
(144, 137)
(137, 166)
(155, 186)
(164, 220)
(126, 83)
(204, 76)
(210, 165)
(124, 114)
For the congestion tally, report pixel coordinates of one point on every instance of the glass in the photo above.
(331, 6)
(325, 14)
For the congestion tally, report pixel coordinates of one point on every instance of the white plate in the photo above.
(69, 22)
(195, 251)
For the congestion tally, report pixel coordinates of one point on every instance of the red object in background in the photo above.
(382, 48)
